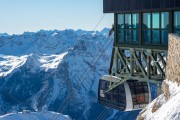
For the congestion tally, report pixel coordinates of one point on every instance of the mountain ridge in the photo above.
(40, 70)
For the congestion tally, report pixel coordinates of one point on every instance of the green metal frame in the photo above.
(138, 64)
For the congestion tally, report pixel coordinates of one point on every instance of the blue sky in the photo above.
(18, 16)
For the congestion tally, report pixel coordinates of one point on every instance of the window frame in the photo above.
(131, 29)
(160, 29)
(139, 44)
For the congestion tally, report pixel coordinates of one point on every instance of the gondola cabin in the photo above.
(128, 96)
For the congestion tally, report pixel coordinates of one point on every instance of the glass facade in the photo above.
(151, 28)
(154, 28)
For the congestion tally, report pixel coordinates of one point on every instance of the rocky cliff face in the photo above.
(173, 60)
(41, 71)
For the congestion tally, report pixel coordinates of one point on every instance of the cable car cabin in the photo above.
(128, 96)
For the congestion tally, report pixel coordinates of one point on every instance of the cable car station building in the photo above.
(141, 29)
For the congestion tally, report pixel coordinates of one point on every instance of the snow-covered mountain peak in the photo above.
(8, 64)
(40, 70)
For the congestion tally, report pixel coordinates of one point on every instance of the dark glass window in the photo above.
(135, 20)
(146, 20)
(177, 20)
(164, 27)
(155, 37)
(128, 35)
(155, 20)
(146, 36)
(120, 27)
(104, 85)
(146, 26)
(165, 20)
(120, 21)
(164, 36)
(127, 20)
(135, 36)
(121, 36)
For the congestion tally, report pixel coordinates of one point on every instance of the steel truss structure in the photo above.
(138, 64)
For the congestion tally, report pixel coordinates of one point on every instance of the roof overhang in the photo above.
(121, 6)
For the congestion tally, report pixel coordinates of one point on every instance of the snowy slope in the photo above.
(34, 116)
(40, 71)
(162, 108)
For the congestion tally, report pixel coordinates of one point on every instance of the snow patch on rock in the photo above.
(162, 108)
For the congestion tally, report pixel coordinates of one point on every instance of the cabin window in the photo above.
(139, 93)
(116, 96)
